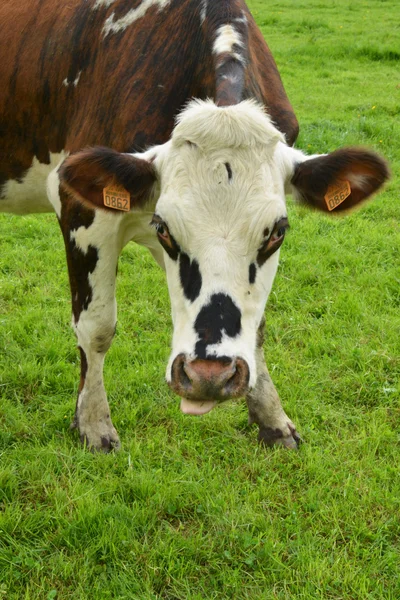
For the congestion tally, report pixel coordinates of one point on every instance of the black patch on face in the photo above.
(190, 276)
(263, 255)
(229, 169)
(220, 316)
(252, 273)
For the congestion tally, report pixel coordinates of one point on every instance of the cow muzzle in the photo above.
(203, 383)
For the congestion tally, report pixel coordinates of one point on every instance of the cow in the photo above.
(164, 122)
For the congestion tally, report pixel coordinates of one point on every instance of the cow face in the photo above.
(221, 218)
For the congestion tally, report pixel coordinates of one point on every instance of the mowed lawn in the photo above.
(193, 509)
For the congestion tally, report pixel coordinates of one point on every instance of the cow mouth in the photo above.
(197, 407)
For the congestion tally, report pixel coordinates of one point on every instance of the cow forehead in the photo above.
(220, 178)
(210, 126)
(221, 197)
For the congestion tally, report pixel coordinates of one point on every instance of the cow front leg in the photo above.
(92, 245)
(265, 407)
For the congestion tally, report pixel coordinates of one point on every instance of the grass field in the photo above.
(192, 509)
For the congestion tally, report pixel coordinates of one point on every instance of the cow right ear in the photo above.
(87, 173)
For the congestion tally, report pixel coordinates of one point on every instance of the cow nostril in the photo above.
(186, 382)
(230, 373)
(183, 375)
(179, 375)
(239, 380)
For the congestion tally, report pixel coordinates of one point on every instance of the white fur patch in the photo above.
(67, 83)
(226, 38)
(238, 126)
(29, 195)
(101, 3)
(203, 11)
(53, 188)
(358, 181)
(242, 19)
(111, 26)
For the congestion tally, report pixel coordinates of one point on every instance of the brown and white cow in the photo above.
(179, 103)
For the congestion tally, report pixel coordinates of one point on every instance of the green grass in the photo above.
(192, 509)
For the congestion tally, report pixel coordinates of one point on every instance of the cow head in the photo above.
(221, 218)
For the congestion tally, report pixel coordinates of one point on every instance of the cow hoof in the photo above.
(101, 443)
(269, 436)
(98, 438)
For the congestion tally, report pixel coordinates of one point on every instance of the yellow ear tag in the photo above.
(117, 197)
(336, 194)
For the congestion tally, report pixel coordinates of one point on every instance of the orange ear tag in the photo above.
(336, 194)
(117, 197)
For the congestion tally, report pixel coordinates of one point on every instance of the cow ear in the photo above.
(87, 173)
(340, 180)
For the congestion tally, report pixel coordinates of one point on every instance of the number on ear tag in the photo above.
(117, 197)
(336, 194)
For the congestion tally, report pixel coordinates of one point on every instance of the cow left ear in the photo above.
(87, 173)
(338, 181)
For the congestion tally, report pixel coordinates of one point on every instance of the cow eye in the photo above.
(278, 235)
(275, 239)
(162, 231)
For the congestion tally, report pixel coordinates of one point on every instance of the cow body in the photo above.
(115, 74)
(109, 73)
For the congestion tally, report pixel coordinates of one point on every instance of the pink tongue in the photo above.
(197, 407)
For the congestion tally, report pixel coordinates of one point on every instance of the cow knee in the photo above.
(95, 336)
(103, 339)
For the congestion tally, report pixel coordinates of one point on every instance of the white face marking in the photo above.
(226, 38)
(111, 26)
(219, 220)
(29, 195)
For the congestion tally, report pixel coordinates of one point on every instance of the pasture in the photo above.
(193, 509)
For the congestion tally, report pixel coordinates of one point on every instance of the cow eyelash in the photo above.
(157, 223)
(161, 229)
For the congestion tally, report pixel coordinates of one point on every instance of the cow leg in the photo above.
(265, 408)
(93, 245)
